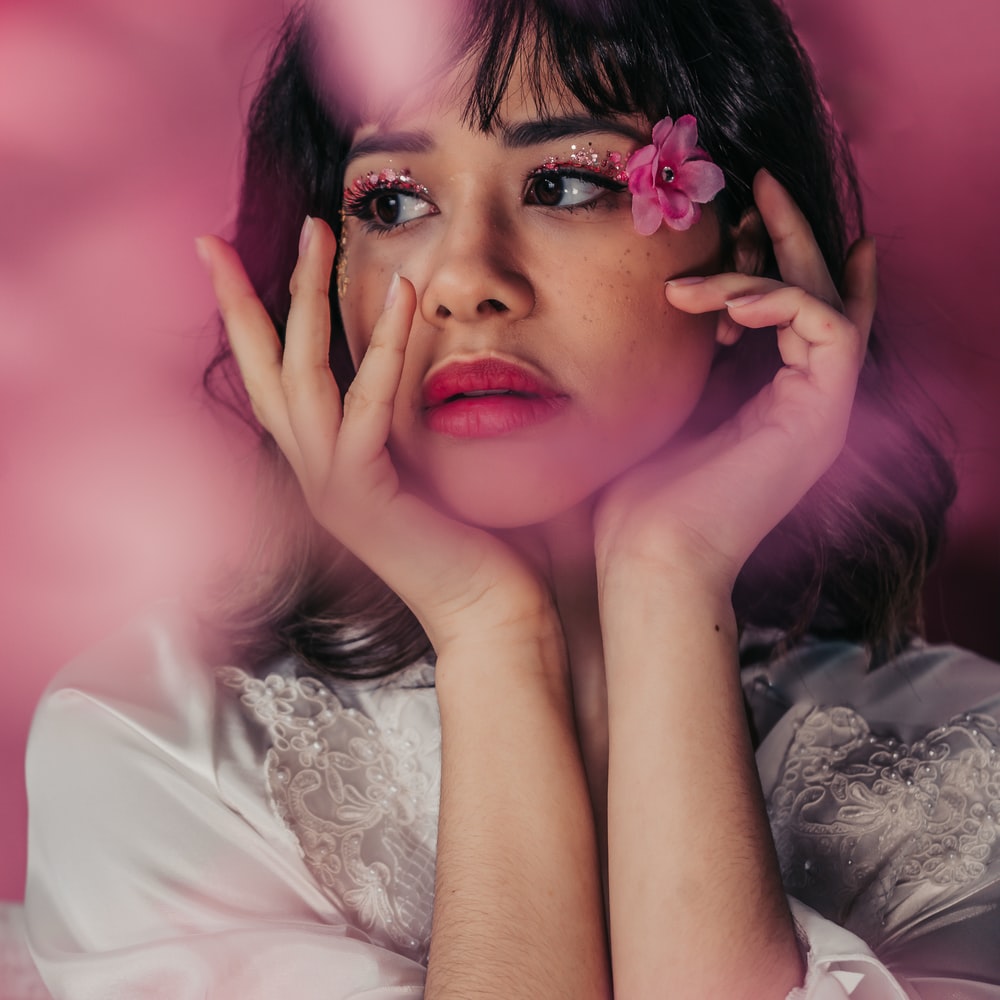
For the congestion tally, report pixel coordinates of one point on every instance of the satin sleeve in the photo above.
(156, 868)
(840, 966)
(883, 793)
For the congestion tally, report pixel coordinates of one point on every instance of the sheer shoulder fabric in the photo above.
(883, 790)
(157, 865)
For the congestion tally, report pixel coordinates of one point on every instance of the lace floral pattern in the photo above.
(363, 810)
(866, 826)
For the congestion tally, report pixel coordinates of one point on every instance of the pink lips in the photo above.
(487, 397)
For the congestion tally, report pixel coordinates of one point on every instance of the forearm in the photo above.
(696, 903)
(518, 909)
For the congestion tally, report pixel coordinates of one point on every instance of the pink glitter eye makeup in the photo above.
(387, 200)
(579, 181)
(611, 165)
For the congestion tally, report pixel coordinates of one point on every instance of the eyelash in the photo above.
(360, 197)
(573, 172)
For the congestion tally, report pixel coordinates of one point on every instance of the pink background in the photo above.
(119, 139)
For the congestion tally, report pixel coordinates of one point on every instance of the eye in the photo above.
(387, 201)
(568, 189)
(395, 208)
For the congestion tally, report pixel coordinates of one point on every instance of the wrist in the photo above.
(667, 578)
(665, 554)
(527, 649)
(674, 619)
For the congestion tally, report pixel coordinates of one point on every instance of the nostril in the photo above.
(492, 305)
(443, 312)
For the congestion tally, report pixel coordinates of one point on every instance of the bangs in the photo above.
(586, 49)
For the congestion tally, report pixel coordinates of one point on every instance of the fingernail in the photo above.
(692, 280)
(390, 295)
(743, 300)
(306, 235)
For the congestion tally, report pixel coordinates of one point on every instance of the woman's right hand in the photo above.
(464, 585)
(516, 853)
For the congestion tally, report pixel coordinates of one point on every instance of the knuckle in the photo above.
(307, 288)
(357, 400)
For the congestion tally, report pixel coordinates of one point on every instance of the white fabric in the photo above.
(200, 833)
(19, 979)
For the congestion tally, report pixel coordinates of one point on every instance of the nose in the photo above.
(475, 274)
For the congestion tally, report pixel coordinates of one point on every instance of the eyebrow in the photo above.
(533, 133)
(519, 136)
(390, 142)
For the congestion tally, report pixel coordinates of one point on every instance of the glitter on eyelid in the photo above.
(387, 179)
(612, 165)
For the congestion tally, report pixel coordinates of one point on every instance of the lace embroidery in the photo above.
(363, 811)
(861, 821)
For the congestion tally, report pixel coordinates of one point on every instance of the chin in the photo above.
(505, 505)
(507, 484)
(490, 492)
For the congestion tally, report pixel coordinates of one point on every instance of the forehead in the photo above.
(529, 112)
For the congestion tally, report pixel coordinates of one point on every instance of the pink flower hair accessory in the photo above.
(672, 177)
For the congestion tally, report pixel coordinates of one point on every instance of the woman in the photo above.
(582, 486)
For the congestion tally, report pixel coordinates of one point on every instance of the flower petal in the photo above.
(641, 169)
(687, 220)
(679, 212)
(673, 203)
(682, 140)
(661, 131)
(701, 180)
(646, 215)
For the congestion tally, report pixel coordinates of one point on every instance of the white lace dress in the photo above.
(199, 833)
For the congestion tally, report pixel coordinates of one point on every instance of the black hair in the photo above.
(851, 558)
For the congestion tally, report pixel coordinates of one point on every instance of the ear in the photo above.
(748, 242)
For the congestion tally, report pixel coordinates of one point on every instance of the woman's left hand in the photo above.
(684, 800)
(707, 505)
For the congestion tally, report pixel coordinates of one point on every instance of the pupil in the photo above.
(549, 191)
(386, 207)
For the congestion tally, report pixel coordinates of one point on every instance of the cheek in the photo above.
(361, 288)
(660, 376)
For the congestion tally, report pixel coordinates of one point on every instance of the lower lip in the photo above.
(491, 416)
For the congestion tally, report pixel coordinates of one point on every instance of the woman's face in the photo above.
(543, 359)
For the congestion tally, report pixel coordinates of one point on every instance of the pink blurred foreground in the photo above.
(119, 140)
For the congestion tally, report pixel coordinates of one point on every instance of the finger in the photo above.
(702, 295)
(799, 258)
(861, 286)
(813, 337)
(252, 337)
(369, 403)
(727, 330)
(311, 393)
